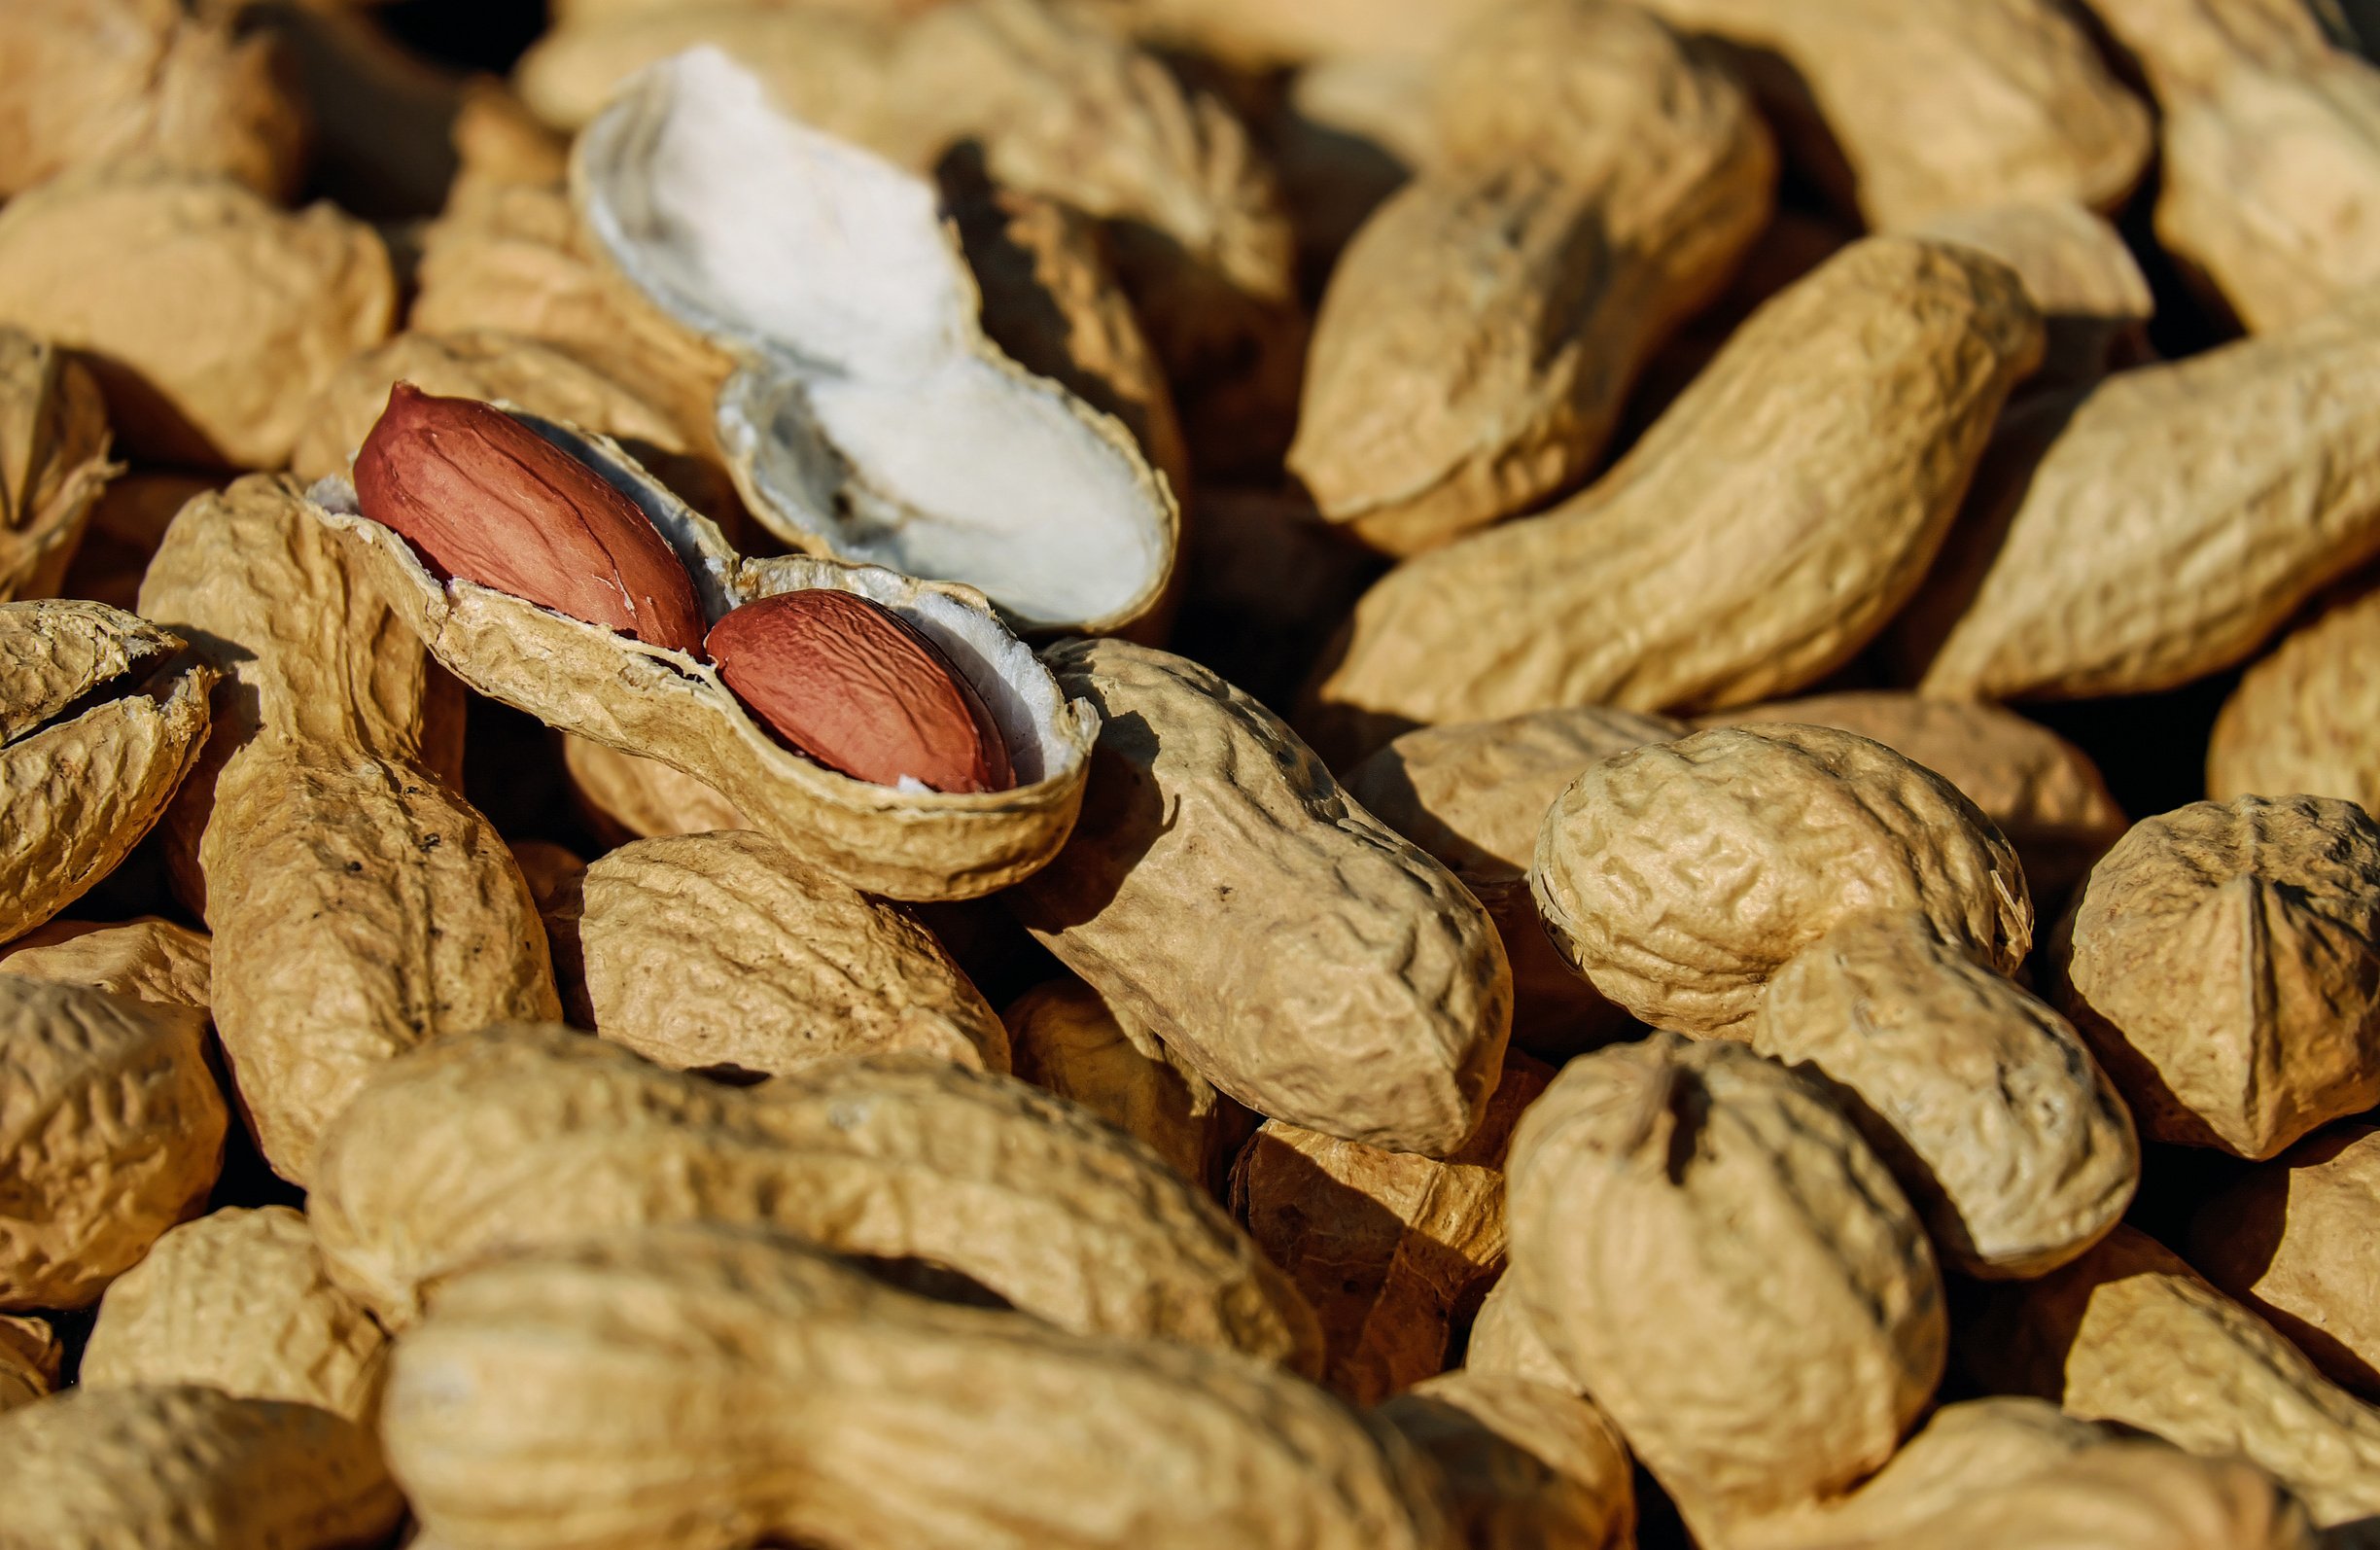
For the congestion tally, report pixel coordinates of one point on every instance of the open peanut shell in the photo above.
(871, 419)
(900, 842)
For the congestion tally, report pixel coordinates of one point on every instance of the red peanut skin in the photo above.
(854, 686)
(485, 499)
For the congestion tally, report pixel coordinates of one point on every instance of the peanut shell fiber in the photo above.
(1222, 893)
(524, 1136)
(53, 463)
(2293, 1240)
(802, 1387)
(725, 951)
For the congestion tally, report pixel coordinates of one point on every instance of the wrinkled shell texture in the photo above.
(522, 1136)
(1758, 535)
(2182, 513)
(239, 1301)
(1223, 894)
(113, 261)
(1680, 876)
(627, 797)
(1668, 1181)
(1524, 1464)
(2307, 717)
(1389, 1248)
(147, 959)
(2037, 788)
(53, 463)
(1982, 1101)
(806, 1381)
(723, 951)
(1478, 335)
(1504, 1341)
(1937, 105)
(111, 1131)
(2079, 273)
(2129, 1333)
(2223, 962)
(180, 1468)
(359, 907)
(2293, 1240)
(83, 789)
(1063, 1038)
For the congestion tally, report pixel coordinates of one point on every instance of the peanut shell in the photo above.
(1223, 894)
(183, 1468)
(110, 1129)
(1679, 877)
(210, 318)
(30, 1354)
(625, 797)
(724, 952)
(1525, 1465)
(1663, 1191)
(1505, 1341)
(2303, 720)
(2093, 300)
(126, 523)
(1756, 538)
(1064, 1038)
(148, 959)
(793, 1378)
(2293, 1241)
(2223, 962)
(523, 1136)
(53, 463)
(665, 705)
(238, 1300)
(101, 715)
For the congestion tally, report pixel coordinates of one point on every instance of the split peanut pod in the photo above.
(53, 463)
(1223, 894)
(790, 1378)
(524, 1136)
(2292, 1240)
(872, 419)
(101, 715)
(650, 700)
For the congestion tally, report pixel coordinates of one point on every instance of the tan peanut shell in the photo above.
(29, 1352)
(1064, 1038)
(723, 951)
(1595, 184)
(2083, 279)
(239, 1300)
(101, 715)
(2129, 1333)
(93, 81)
(2271, 139)
(646, 700)
(148, 959)
(111, 1131)
(1711, 1250)
(357, 904)
(126, 521)
(210, 317)
(1505, 1341)
(520, 1135)
(1251, 33)
(1222, 893)
(2223, 962)
(2303, 719)
(1680, 876)
(1758, 535)
(185, 1467)
(791, 1386)
(542, 378)
(2293, 1240)
(1390, 1248)
(53, 463)
(1911, 107)
(2179, 514)
(1983, 1101)
(2037, 788)
(1525, 1465)
(625, 796)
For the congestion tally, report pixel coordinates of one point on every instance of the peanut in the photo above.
(53, 463)
(210, 318)
(723, 952)
(182, 1468)
(148, 959)
(1679, 877)
(1664, 1188)
(239, 1301)
(101, 715)
(535, 1135)
(796, 1377)
(111, 1131)
(1064, 1038)
(29, 1360)
(1222, 894)
(1525, 1465)
(1756, 538)
(2302, 718)
(2093, 300)
(2223, 962)
(624, 796)
(2291, 1240)
(1503, 1340)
